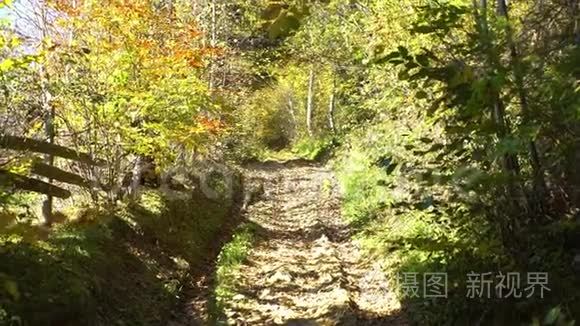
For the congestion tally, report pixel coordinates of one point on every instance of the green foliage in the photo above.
(429, 178)
(458, 125)
(312, 149)
(266, 119)
(414, 225)
(229, 260)
(274, 118)
(123, 269)
(284, 20)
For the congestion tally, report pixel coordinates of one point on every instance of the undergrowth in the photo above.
(310, 149)
(313, 149)
(417, 227)
(126, 267)
(229, 261)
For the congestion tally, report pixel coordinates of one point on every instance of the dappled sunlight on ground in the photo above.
(304, 268)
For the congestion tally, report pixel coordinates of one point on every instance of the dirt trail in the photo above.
(304, 268)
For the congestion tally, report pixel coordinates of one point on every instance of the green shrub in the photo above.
(122, 268)
(416, 225)
(312, 148)
(229, 260)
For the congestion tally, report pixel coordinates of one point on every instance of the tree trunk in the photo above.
(537, 170)
(576, 21)
(331, 107)
(48, 111)
(310, 102)
(136, 178)
(170, 7)
(49, 158)
(292, 115)
(213, 43)
(509, 162)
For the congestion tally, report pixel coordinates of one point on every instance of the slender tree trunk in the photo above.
(165, 181)
(310, 102)
(292, 115)
(197, 17)
(331, 108)
(49, 133)
(170, 7)
(116, 172)
(509, 226)
(537, 170)
(48, 110)
(213, 43)
(509, 162)
(576, 21)
(136, 178)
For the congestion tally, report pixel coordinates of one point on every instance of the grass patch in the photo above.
(311, 149)
(229, 261)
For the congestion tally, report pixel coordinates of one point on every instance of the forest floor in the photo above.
(304, 267)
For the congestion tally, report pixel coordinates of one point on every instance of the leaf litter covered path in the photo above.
(304, 268)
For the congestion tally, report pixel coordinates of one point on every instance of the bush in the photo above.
(414, 223)
(122, 268)
(313, 148)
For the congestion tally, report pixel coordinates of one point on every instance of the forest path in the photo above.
(304, 268)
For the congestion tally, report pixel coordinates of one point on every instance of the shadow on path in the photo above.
(304, 268)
